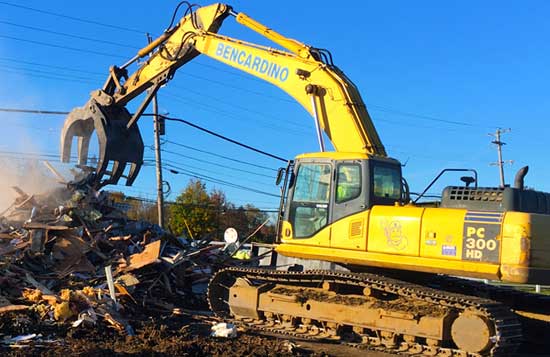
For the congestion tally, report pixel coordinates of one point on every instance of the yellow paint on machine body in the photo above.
(506, 246)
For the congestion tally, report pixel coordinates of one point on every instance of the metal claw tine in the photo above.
(83, 147)
(117, 143)
(117, 171)
(132, 174)
(102, 164)
(80, 124)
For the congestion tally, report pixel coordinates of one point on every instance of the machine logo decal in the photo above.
(394, 235)
(481, 236)
(252, 62)
(449, 250)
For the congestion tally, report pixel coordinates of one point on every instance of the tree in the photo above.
(200, 214)
(143, 210)
(192, 213)
(236, 218)
(246, 219)
(134, 208)
(218, 204)
(255, 218)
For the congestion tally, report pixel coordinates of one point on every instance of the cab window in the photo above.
(313, 183)
(348, 185)
(387, 182)
(309, 207)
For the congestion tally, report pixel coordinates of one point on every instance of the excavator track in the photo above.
(504, 326)
(513, 298)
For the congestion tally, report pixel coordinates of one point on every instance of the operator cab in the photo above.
(324, 189)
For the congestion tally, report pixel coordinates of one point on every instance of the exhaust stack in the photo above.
(520, 175)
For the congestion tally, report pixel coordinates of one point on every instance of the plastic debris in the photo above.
(224, 330)
(20, 338)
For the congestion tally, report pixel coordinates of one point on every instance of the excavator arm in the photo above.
(305, 73)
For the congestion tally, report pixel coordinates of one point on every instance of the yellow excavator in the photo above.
(396, 289)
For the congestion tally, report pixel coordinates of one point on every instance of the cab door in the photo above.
(349, 206)
(309, 210)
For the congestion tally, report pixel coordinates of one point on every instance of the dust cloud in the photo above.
(30, 175)
(25, 141)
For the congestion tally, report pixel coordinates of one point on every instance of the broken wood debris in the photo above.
(73, 258)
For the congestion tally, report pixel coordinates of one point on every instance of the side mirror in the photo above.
(280, 175)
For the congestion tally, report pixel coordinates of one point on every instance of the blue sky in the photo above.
(437, 77)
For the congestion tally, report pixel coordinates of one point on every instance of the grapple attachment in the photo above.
(118, 145)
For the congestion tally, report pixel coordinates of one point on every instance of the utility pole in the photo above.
(500, 163)
(160, 191)
(158, 130)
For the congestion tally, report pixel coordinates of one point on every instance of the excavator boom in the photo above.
(304, 72)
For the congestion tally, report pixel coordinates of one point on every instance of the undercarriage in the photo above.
(365, 310)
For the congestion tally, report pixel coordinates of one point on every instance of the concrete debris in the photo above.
(72, 258)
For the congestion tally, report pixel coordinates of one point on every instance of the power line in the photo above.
(45, 154)
(62, 47)
(169, 165)
(225, 84)
(179, 120)
(44, 130)
(376, 107)
(220, 156)
(214, 180)
(241, 177)
(48, 73)
(19, 61)
(183, 121)
(167, 141)
(419, 116)
(68, 35)
(55, 158)
(243, 108)
(225, 208)
(187, 146)
(65, 79)
(74, 18)
(380, 108)
(214, 163)
(210, 108)
(233, 73)
(223, 137)
(12, 155)
(33, 111)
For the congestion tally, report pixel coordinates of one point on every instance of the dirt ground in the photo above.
(183, 335)
(171, 336)
(176, 335)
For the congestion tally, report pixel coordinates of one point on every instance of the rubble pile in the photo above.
(71, 258)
